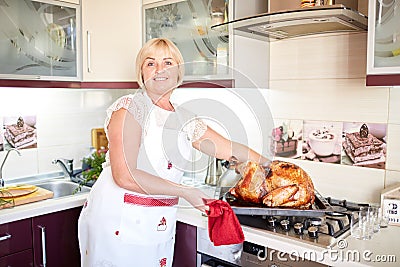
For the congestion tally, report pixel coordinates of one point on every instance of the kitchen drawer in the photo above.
(15, 237)
(23, 258)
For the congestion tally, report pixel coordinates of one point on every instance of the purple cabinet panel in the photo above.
(185, 245)
(19, 259)
(15, 237)
(60, 232)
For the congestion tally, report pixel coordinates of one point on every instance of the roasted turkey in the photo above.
(284, 185)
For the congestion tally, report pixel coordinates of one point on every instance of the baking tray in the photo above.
(319, 208)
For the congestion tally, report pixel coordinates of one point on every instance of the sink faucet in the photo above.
(67, 165)
(2, 164)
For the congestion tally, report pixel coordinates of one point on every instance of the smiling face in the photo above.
(160, 72)
(159, 67)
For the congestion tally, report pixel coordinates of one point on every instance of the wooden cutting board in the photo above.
(37, 195)
(99, 139)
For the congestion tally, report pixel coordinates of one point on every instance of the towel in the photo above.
(223, 225)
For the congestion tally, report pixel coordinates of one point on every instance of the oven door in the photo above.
(208, 261)
(221, 256)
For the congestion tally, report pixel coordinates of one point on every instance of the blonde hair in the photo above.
(149, 48)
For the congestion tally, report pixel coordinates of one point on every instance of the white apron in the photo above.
(121, 228)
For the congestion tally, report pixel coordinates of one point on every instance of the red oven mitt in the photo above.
(223, 225)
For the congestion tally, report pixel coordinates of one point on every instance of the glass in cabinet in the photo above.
(188, 24)
(39, 40)
(383, 37)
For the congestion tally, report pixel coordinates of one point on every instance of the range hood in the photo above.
(298, 22)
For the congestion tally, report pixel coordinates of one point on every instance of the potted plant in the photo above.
(92, 167)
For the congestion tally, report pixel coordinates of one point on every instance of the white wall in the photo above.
(65, 118)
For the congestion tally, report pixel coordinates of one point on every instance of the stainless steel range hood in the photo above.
(298, 22)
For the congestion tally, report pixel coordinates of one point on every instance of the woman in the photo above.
(129, 217)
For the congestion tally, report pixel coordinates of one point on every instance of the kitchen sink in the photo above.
(63, 188)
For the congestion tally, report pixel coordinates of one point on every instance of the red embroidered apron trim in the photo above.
(150, 201)
(163, 262)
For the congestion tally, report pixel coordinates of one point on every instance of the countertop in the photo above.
(384, 245)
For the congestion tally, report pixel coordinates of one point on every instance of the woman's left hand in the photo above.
(197, 198)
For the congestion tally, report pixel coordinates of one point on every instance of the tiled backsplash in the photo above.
(323, 78)
(64, 119)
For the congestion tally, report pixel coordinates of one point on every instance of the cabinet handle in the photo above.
(5, 237)
(43, 229)
(89, 59)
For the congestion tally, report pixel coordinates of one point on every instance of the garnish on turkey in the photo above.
(285, 185)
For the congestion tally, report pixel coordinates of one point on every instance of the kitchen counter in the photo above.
(41, 207)
(383, 245)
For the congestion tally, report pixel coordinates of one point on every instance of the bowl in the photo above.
(322, 142)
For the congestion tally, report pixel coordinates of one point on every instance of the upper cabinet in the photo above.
(383, 60)
(188, 25)
(111, 40)
(39, 40)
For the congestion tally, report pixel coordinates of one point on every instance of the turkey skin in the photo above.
(285, 185)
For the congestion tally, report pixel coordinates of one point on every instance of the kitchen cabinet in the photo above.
(111, 40)
(16, 243)
(383, 59)
(185, 245)
(71, 1)
(188, 24)
(207, 53)
(55, 239)
(39, 40)
(19, 259)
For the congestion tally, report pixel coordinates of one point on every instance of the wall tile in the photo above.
(323, 56)
(65, 118)
(47, 154)
(19, 166)
(394, 107)
(393, 147)
(328, 99)
(392, 177)
(59, 129)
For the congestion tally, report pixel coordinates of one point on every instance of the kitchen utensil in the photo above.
(229, 177)
(17, 191)
(214, 171)
(383, 218)
(320, 207)
(99, 139)
(39, 194)
(361, 224)
(373, 213)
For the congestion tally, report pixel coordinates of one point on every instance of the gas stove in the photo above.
(322, 231)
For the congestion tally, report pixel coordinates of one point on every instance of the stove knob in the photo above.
(313, 231)
(285, 225)
(272, 222)
(298, 228)
(315, 221)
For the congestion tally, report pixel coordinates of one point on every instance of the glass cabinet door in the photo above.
(188, 24)
(384, 37)
(38, 40)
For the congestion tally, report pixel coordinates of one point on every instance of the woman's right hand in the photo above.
(196, 198)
